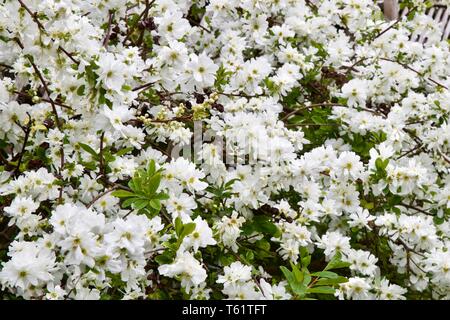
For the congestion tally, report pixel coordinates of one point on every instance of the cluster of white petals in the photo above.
(289, 136)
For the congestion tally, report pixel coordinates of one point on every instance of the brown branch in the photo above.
(198, 24)
(41, 78)
(108, 30)
(444, 156)
(69, 55)
(55, 113)
(42, 28)
(33, 15)
(417, 147)
(404, 65)
(102, 166)
(312, 125)
(144, 86)
(45, 100)
(386, 30)
(5, 66)
(27, 131)
(320, 105)
(243, 95)
(88, 205)
(143, 13)
(352, 67)
(416, 208)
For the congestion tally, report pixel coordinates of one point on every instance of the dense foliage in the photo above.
(222, 149)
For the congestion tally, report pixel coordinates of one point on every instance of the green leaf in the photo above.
(306, 261)
(336, 263)
(322, 290)
(166, 258)
(297, 288)
(317, 119)
(161, 196)
(307, 278)
(187, 229)
(151, 167)
(128, 202)
(80, 90)
(327, 282)
(261, 224)
(183, 231)
(178, 226)
(155, 204)
(438, 220)
(249, 255)
(123, 151)
(88, 149)
(122, 194)
(325, 274)
(153, 184)
(140, 204)
(380, 164)
(299, 275)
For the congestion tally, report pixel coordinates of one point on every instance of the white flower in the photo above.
(111, 71)
(20, 207)
(32, 265)
(203, 69)
(361, 219)
(332, 242)
(187, 267)
(201, 237)
(235, 273)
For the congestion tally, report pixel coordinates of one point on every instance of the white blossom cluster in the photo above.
(327, 134)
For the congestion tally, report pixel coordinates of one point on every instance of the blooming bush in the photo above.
(222, 149)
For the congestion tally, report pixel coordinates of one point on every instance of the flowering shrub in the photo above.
(222, 149)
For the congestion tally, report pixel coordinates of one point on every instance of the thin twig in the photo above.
(404, 65)
(320, 105)
(392, 25)
(444, 156)
(69, 55)
(144, 86)
(108, 30)
(415, 208)
(27, 131)
(101, 195)
(102, 166)
(198, 24)
(33, 15)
